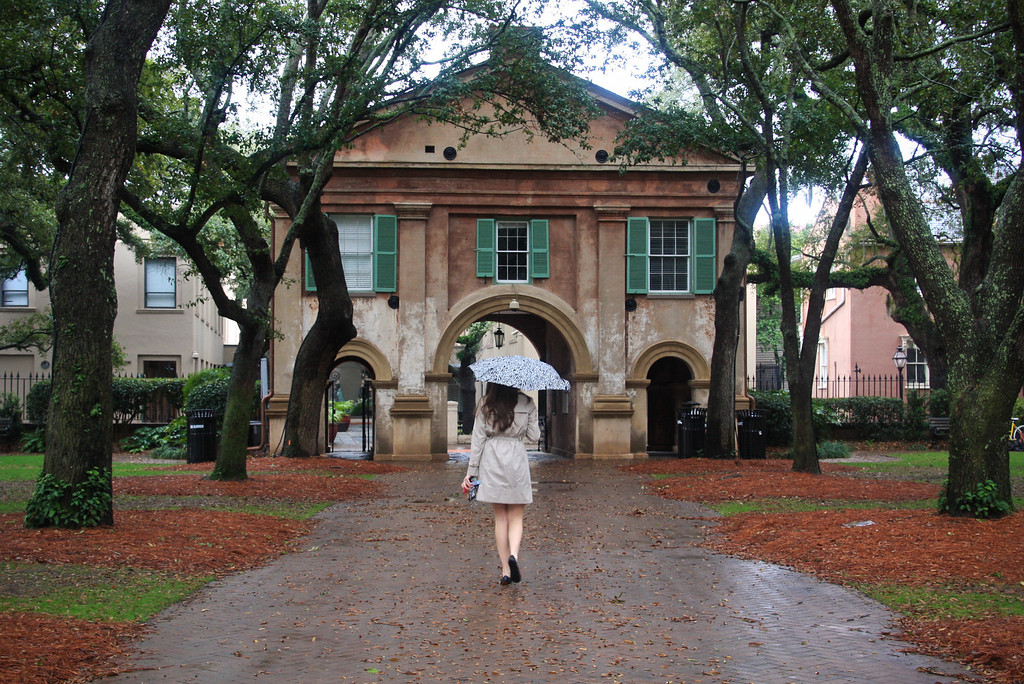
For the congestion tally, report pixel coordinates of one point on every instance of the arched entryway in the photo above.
(668, 391)
(667, 376)
(350, 406)
(548, 324)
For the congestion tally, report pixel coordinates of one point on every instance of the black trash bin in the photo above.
(255, 433)
(692, 422)
(750, 433)
(202, 435)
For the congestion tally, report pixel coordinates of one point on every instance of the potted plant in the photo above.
(340, 415)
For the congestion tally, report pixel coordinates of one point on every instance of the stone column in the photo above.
(412, 410)
(611, 407)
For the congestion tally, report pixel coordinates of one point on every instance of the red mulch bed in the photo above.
(187, 541)
(323, 479)
(44, 649)
(910, 547)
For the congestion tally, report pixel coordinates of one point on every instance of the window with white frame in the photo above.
(822, 364)
(161, 279)
(916, 371)
(513, 251)
(669, 252)
(355, 239)
(15, 290)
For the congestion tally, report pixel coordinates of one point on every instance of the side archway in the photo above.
(369, 354)
(671, 349)
(664, 378)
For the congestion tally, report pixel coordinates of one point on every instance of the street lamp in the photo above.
(499, 337)
(900, 359)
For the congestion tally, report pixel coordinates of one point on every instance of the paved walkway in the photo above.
(405, 589)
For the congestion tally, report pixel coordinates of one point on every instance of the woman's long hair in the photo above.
(498, 405)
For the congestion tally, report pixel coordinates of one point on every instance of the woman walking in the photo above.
(504, 418)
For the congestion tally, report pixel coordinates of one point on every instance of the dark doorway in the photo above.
(669, 390)
(349, 408)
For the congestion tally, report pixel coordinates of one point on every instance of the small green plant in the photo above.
(34, 442)
(983, 502)
(833, 450)
(143, 439)
(339, 410)
(89, 502)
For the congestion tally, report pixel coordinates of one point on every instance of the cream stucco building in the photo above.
(608, 273)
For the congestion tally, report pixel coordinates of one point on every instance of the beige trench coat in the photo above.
(499, 459)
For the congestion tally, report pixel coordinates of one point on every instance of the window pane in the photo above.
(355, 240)
(15, 290)
(670, 255)
(160, 282)
(513, 251)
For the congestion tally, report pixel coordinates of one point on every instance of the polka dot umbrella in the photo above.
(520, 372)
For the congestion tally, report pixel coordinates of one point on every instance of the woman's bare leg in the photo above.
(514, 516)
(501, 534)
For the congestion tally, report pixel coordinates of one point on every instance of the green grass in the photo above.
(26, 467)
(93, 593)
(938, 602)
(933, 459)
(20, 467)
(728, 508)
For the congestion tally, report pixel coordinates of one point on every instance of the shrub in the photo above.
(833, 450)
(90, 501)
(983, 502)
(874, 418)
(34, 442)
(1018, 408)
(37, 402)
(938, 403)
(131, 397)
(10, 407)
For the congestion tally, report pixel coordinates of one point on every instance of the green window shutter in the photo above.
(540, 256)
(485, 256)
(704, 260)
(385, 253)
(636, 255)
(310, 280)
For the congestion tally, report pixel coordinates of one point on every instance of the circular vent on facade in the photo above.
(714, 185)
(601, 156)
(450, 153)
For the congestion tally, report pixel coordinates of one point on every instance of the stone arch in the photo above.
(531, 300)
(369, 354)
(675, 349)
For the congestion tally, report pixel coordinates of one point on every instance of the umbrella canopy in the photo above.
(519, 372)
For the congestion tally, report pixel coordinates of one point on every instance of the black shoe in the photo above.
(513, 568)
(505, 579)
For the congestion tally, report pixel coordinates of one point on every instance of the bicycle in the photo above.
(1016, 436)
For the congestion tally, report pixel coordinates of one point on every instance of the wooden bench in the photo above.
(939, 428)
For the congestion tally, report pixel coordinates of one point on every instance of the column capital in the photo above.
(612, 212)
(414, 211)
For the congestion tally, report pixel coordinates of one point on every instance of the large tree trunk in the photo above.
(332, 330)
(980, 405)
(720, 436)
(82, 294)
(805, 443)
(253, 341)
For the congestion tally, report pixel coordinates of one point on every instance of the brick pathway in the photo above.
(405, 589)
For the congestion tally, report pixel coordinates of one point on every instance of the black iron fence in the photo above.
(769, 378)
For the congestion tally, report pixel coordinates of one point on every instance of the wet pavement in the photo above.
(405, 589)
